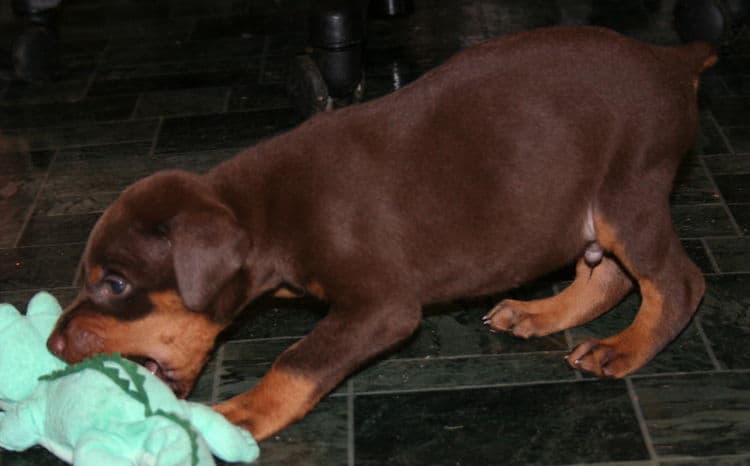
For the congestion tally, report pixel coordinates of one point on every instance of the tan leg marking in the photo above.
(279, 399)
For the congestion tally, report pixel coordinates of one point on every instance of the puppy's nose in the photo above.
(56, 344)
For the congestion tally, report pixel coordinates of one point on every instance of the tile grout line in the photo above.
(722, 201)
(79, 273)
(710, 255)
(707, 343)
(641, 420)
(350, 453)
(156, 137)
(720, 130)
(736, 456)
(95, 73)
(217, 377)
(263, 60)
(227, 98)
(35, 202)
(536, 382)
(135, 107)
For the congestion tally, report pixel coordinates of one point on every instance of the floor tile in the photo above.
(734, 460)
(697, 414)
(274, 318)
(123, 33)
(252, 95)
(60, 229)
(738, 84)
(462, 371)
(252, 25)
(318, 439)
(90, 134)
(192, 9)
(725, 319)
(20, 298)
(734, 165)
(239, 129)
(40, 267)
(457, 330)
(734, 188)
(731, 254)
(22, 175)
(112, 175)
(203, 390)
(739, 138)
(187, 102)
(195, 51)
(695, 221)
(741, 213)
(698, 254)
(170, 77)
(36, 456)
(731, 110)
(71, 87)
(541, 424)
(244, 362)
(68, 113)
(692, 184)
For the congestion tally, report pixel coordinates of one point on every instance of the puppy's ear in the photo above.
(208, 248)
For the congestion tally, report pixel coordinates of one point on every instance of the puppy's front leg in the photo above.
(344, 340)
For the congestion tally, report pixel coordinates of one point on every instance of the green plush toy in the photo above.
(103, 411)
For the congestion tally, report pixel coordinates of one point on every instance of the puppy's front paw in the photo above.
(511, 316)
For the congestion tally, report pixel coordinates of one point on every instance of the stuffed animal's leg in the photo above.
(156, 440)
(98, 448)
(227, 441)
(17, 428)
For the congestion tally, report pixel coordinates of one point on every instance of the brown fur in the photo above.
(506, 162)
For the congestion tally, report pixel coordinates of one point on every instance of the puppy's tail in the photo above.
(699, 56)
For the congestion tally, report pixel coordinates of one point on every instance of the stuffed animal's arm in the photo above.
(226, 441)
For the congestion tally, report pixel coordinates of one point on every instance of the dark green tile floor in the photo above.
(161, 84)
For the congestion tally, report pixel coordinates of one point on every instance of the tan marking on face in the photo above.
(316, 289)
(286, 293)
(279, 399)
(95, 275)
(178, 339)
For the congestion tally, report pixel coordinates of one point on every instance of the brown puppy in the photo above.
(512, 159)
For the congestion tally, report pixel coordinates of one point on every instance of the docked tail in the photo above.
(697, 56)
(702, 54)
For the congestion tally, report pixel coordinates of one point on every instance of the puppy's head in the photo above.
(164, 272)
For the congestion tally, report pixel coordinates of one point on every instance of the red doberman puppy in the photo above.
(514, 158)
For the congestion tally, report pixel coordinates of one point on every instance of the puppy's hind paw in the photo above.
(603, 358)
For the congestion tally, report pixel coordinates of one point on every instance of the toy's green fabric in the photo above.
(103, 411)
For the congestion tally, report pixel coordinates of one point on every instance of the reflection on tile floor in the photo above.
(186, 84)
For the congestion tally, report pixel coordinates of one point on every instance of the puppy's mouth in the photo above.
(163, 372)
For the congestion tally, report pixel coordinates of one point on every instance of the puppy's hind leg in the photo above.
(596, 289)
(671, 287)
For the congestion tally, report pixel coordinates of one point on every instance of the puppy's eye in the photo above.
(116, 284)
